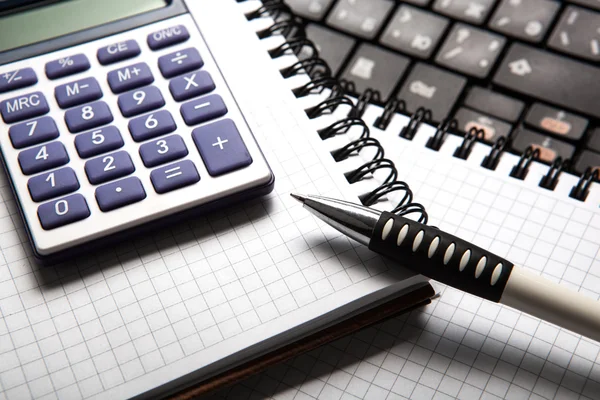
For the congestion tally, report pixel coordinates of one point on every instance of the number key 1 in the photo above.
(53, 184)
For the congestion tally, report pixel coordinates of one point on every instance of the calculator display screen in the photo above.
(57, 19)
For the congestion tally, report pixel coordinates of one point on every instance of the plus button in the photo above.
(220, 142)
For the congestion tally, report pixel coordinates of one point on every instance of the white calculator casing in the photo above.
(156, 210)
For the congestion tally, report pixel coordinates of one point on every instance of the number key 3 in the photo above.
(163, 150)
(108, 167)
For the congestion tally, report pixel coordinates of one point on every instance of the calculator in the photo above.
(120, 127)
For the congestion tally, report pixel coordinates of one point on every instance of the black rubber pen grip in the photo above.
(441, 256)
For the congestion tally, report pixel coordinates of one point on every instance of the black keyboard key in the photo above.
(414, 31)
(549, 148)
(555, 121)
(432, 88)
(495, 104)
(373, 67)
(474, 11)
(421, 3)
(311, 9)
(587, 159)
(588, 3)
(470, 50)
(491, 127)
(362, 18)
(593, 141)
(578, 33)
(333, 46)
(527, 20)
(552, 78)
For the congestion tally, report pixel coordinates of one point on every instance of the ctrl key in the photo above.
(63, 211)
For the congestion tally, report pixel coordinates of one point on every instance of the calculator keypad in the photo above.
(109, 138)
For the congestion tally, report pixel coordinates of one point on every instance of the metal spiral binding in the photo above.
(410, 130)
(491, 160)
(437, 140)
(356, 146)
(520, 170)
(582, 189)
(550, 180)
(392, 107)
(342, 126)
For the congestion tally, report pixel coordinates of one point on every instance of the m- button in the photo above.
(23, 107)
(118, 52)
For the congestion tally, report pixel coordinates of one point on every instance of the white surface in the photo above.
(461, 346)
(129, 318)
(154, 206)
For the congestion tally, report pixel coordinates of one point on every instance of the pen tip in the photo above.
(298, 197)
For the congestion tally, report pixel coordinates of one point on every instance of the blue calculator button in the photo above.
(68, 65)
(88, 116)
(63, 211)
(180, 62)
(221, 147)
(167, 37)
(174, 176)
(23, 107)
(42, 158)
(98, 141)
(203, 109)
(163, 150)
(151, 125)
(131, 77)
(140, 101)
(191, 85)
(118, 52)
(119, 194)
(53, 184)
(17, 79)
(78, 92)
(33, 132)
(108, 167)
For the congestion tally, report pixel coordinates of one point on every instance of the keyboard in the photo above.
(123, 131)
(528, 70)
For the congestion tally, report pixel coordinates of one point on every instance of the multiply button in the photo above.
(53, 184)
(63, 211)
(17, 79)
(221, 147)
(130, 77)
(42, 158)
(180, 62)
(23, 107)
(88, 116)
(203, 109)
(167, 37)
(78, 92)
(119, 194)
(174, 176)
(67, 66)
(191, 85)
(32, 132)
(118, 52)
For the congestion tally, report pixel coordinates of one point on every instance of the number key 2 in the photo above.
(98, 141)
(53, 184)
(108, 167)
(88, 116)
(63, 211)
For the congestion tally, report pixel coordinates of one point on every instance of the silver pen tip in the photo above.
(299, 197)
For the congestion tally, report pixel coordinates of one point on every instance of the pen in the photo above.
(458, 263)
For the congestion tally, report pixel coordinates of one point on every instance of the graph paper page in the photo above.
(129, 318)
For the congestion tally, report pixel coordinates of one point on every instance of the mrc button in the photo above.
(23, 107)
(167, 37)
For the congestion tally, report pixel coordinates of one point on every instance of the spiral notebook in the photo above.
(186, 303)
(536, 215)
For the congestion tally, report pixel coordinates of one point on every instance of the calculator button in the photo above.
(174, 176)
(33, 132)
(131, 77)
(203, 109)
(180, 62)
(151, 125)
(167, 37)
(191, 85)
(78, 92)
(163, 150)
(221, 147)
(141, 100)
(63, 211)
(108, 167)
(23, 107)
(42, 158)
(88, 116)
(53, 184)
(119, 194)
(98, 141)
(118, 52)
(67, 66)
(17, 79)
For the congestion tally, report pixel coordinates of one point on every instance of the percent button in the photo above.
(68, 65)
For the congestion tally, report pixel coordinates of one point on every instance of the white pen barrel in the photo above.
(552, 302)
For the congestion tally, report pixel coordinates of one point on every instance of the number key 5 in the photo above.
(98, 141)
